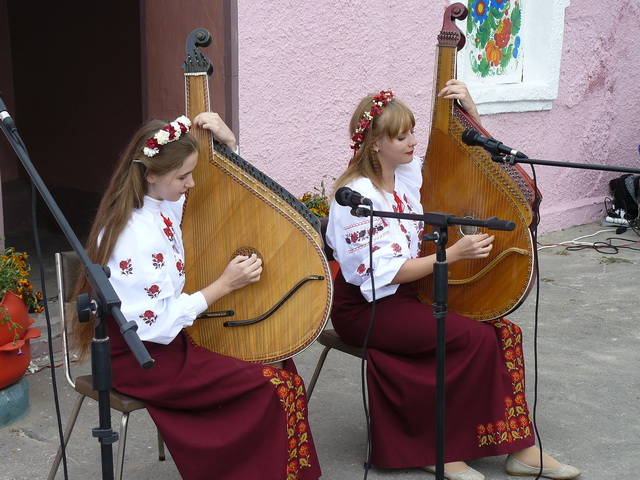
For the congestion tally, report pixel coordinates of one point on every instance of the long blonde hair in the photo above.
(125, 192)
(395, 118)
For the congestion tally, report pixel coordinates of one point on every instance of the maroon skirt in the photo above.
(221, 417)
(486, 412)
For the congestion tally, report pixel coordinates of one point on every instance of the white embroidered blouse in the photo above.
(394, 240)
(147, 272)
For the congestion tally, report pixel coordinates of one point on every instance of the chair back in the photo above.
(67, 268)
(328, 251)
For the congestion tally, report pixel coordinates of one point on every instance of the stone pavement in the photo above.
(586, 394)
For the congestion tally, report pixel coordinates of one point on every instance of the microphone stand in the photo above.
(512, 160)
(103, 302)
(440, 223)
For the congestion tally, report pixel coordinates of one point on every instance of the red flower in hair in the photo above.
(379, 101)
(152, 143)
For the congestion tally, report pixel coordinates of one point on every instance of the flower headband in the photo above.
(166, 135)
(379, 101)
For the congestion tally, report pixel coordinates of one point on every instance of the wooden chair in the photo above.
(67, 265)
(329, 338)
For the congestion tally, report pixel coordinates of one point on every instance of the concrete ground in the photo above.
(586, 391)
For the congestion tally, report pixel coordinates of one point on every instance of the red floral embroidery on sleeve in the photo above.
(158, 260)
(149, 317)
(125, 267)
(363, 235)
(180, 267)
(397, 249)
(153, 291)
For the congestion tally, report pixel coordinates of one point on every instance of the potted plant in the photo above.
(17, 299)
(318, 203)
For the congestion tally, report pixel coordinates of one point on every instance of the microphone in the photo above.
(491, 145)
(5, 117)
(350, 198)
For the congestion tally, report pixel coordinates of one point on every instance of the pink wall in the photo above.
(303, 66)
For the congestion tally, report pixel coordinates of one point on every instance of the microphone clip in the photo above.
(362, 211)
(510, 159)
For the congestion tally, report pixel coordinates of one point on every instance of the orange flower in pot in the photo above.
(17, 298)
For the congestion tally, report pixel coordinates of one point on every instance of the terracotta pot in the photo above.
(15, 356)
(19, 314)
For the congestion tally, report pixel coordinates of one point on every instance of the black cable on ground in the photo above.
(54, 383)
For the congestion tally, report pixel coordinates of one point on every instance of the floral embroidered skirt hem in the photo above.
(221, 417)
(486, 412)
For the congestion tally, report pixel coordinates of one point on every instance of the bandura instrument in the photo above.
(465, 181)
(235, 209)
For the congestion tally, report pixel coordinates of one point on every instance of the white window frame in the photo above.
(542, 38)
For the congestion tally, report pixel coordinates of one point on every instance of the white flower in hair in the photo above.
(185, 121)
(165, 135)
(162, 137)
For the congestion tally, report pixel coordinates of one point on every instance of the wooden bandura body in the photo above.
(236, 209)
(465, 181)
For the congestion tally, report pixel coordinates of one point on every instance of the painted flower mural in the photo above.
(492, 29)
